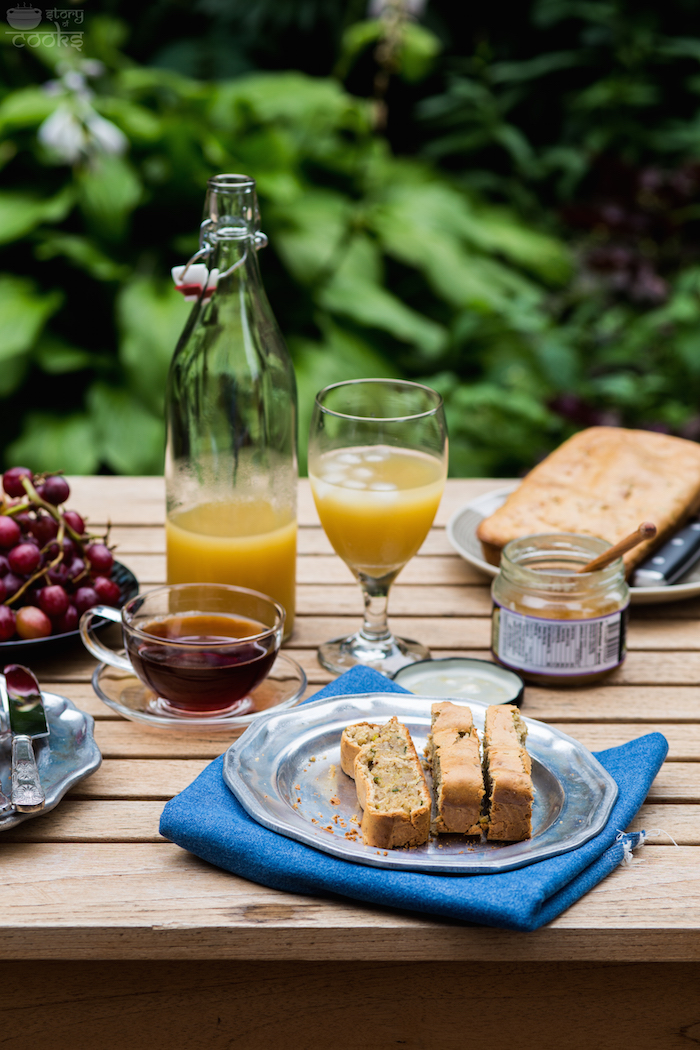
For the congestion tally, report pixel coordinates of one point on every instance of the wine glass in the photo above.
(377, 466)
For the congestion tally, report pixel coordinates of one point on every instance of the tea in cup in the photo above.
(200, 647)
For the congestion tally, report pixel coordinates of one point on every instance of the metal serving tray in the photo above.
(285, 771)
(67, 755)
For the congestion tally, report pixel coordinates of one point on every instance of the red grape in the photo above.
(55, 490)
(24, 520)
(4, 565)
(59, 575)
(9, 531)
(54, 601)
(100, 558)
(31, 597)
(24, 559)
(69, 549)
(107, 590)
(3, 592)
(67, 622)
(85, 598)
(12, 480)
(75, 568)
(12, 583)
(44, 528)
(73, 519)
(32, 622)
(7, 623)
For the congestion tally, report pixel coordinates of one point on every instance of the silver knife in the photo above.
(28, 723)
(5, 803)
(676, 557)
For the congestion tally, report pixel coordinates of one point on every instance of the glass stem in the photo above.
(376, 597)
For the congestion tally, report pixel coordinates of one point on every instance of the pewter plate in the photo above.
(461, 532)
(285, 771)
(66, 756)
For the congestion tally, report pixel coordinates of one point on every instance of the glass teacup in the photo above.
(200, 647)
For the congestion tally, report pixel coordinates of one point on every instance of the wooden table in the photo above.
(113, 937)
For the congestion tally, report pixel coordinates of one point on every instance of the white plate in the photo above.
(285, 771)
(461, 532)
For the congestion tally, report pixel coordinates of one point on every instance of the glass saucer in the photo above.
(126, 694)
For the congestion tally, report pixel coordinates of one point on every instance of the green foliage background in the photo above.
(522, 232)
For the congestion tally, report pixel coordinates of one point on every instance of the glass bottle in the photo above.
(231, 414)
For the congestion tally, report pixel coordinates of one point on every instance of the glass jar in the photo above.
(552, 625)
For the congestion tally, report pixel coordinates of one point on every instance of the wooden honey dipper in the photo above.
(646, 531)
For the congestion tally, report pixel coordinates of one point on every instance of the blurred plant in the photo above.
(378, 265)
(529, 246)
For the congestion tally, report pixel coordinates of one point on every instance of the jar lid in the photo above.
(462, 678)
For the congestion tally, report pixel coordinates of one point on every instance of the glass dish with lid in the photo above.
(552, 624)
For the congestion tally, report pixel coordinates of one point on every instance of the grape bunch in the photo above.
(51, 569)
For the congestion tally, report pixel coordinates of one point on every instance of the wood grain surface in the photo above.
(177, 953)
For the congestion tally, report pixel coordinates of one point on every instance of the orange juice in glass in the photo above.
(245, 543)
(377, 466)
(376, 504)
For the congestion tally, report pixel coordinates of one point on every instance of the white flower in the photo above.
(106, 135)
(70, 136)
(64, 134)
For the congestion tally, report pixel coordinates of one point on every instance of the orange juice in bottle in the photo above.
(230, 466)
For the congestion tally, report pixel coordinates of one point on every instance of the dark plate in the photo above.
(129, 587)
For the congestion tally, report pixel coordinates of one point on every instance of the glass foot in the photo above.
(387, 656)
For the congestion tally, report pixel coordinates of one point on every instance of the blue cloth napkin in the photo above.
(207, 819)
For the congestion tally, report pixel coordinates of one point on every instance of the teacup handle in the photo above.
(98, 650)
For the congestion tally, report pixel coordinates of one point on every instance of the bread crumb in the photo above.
(354, 819)
(335, 801)
(312, 759)
(332, 771)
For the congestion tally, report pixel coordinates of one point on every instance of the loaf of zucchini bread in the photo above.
(352, 739)
(455, 762)
(507, 775)
(392, 790)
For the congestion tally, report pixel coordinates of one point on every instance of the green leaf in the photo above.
(21, 212)
(109, 192)
(424, 225)
(130, 438)
(50, 442)
(309, 234)
(26, 108)
(289, 98)
(151, 316)
(356, 291)
(83, 253)
(356, 39)
(23, 313)
(137, 122)
(56, 357)
(419, 49)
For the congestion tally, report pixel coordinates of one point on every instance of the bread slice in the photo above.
(352, 739)
(392, 790)
(507, 775)
(455, 762)
(603, 482)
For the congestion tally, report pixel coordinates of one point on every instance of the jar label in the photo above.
(559, 647)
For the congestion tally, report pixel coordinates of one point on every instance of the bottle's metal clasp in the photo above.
(192, 278)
